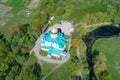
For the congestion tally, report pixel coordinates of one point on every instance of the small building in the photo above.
(54, 42)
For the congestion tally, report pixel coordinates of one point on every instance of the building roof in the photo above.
(54, 45)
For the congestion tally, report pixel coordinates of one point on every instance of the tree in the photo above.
(106, 76)
(22, 28)
(20, 59)
(75, 43)
(82, 30)
(3, 66)
(26, 74)
(111, 9)
(38, 21)
(99, 61)
(11, 75)
(31, 72)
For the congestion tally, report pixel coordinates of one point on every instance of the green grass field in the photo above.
(61, 73)
(17, 5)
(111, 48)
(14, 13)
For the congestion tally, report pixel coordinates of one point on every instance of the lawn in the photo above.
(11, 25)
(11, 13)
(17, 5)
(111, 48)
(61, 73)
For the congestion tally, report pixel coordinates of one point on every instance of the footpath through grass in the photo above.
(53, 72)
(111, 48)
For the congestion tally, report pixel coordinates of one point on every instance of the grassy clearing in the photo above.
(46, 68)
(17, 15)
(111, 48)
(61, 73)
(17, 5)
(11, 25)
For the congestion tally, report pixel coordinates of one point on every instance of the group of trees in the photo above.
(100, 68)
(31, 70)
(79, 65)
(15, 48)
(38, 21)
(14, 52)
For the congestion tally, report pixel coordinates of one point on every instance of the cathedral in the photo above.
(54, 42)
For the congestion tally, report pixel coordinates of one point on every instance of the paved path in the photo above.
(36, 49)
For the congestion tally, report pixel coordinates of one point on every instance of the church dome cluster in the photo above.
(54, 42)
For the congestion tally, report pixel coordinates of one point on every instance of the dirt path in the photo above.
(65, 27)
(78, 52)
(98, 24)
